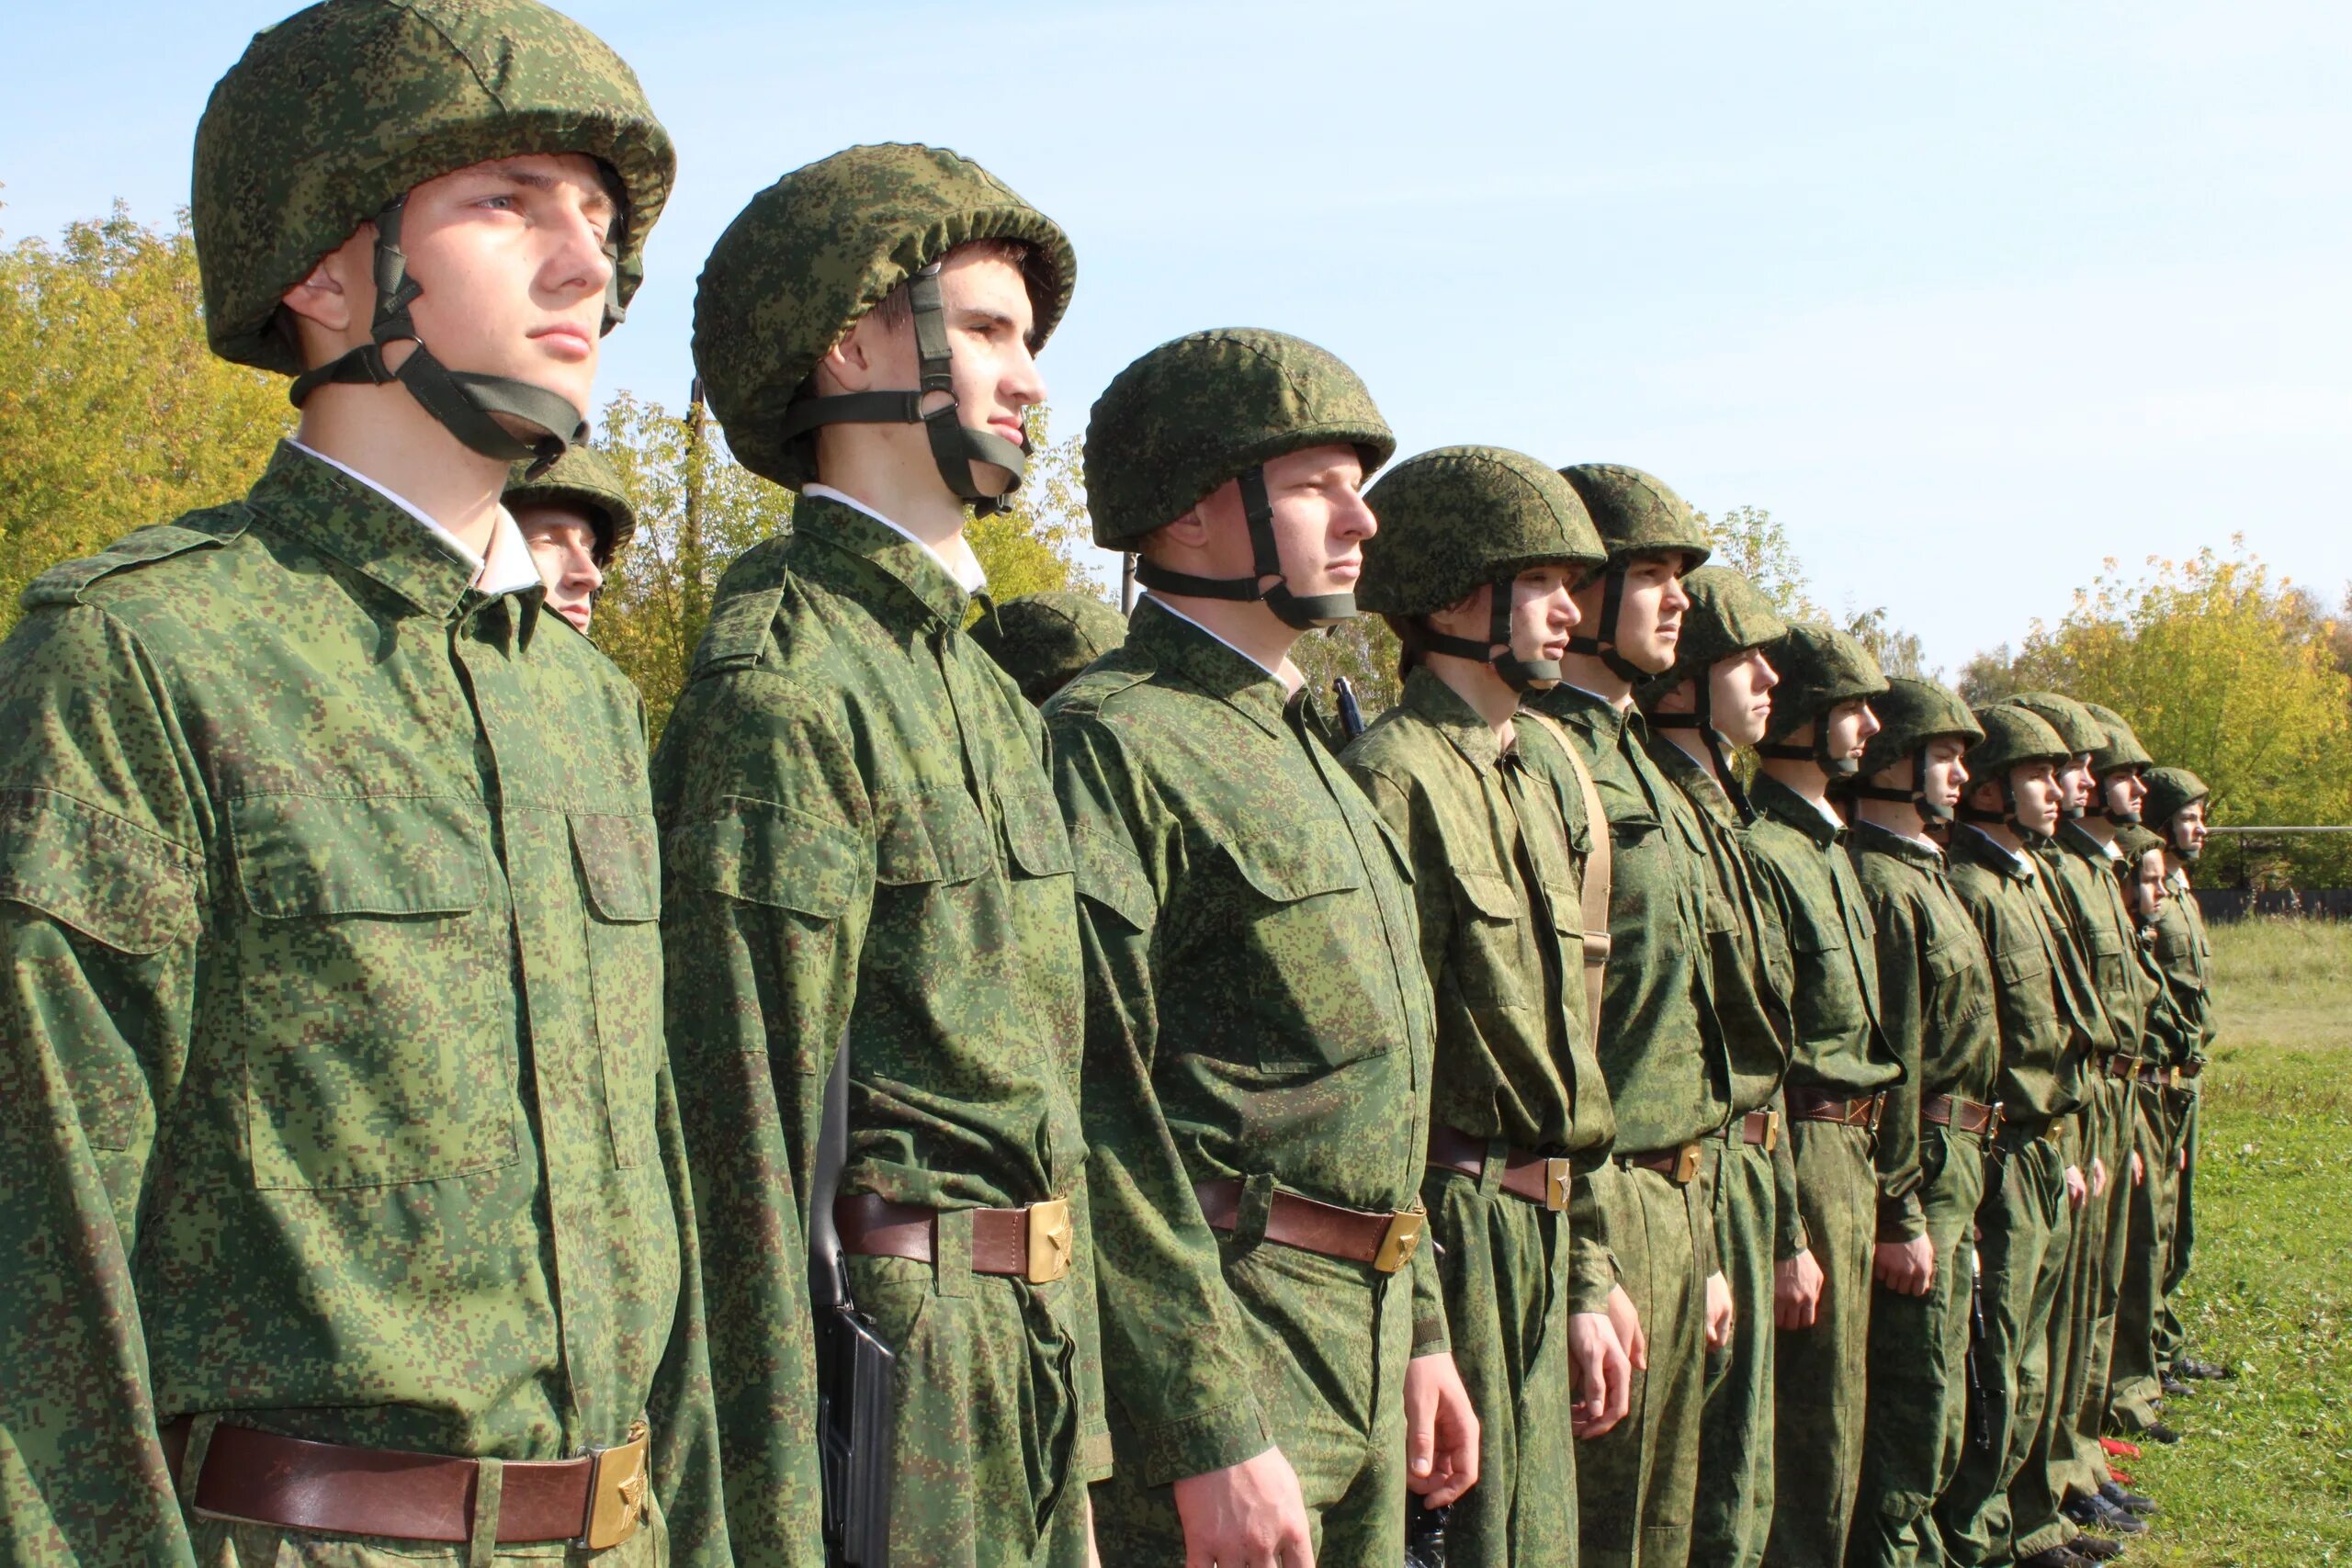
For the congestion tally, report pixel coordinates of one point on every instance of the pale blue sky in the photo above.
(1940, 286)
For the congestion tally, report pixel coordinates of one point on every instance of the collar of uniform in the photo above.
(1868, 835)
(885, 549)
(1770, 794)
(1595, 714)
(973, 584)
(1697, 785)
(1976, 844)
(1183, 646)
(364, 527)
(2083, 842)
(1430, 699)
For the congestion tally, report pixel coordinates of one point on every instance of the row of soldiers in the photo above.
(890, 1125)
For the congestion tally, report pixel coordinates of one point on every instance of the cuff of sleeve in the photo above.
(1900, 1219)
(1793, 1240)
(1210, 1441)
(1094, 1456)
(1430, 1338)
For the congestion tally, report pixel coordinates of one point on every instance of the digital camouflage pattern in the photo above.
(342, 108)
(1043, 640)
(1801, 855)
(1457, 519)
(341, 1108)
(2184, 954)
(823, 245)
(1911, 713)
(1820, 667)
(1203, 409)
(1636, 513)
(582, 479)
(1728, 615)
(1497, 841)
(2076, 728)
(2121, 749)
(2171, 791)
(2013, 737)
(1256, 1010)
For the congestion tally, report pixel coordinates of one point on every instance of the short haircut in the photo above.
(897, 310)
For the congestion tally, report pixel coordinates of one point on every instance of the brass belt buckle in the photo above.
(1558, 1177)
(1050, 1240)
(1686, 1165)
(1399, 1243)
(617, 1492)
(1772, 1131)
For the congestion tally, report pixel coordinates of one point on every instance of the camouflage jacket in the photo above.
(859, 836)
(1255, 1007)
(1753, 976)
(337, 1100)
(2047, 1022)
(1497, 841)
(1935, 1005)
(2090, 895)
(2185, 957)
(1667, 1079)
(1839, 1048)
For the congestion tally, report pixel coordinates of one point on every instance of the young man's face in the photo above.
(1320, 520)
(1649, 615)
(2189, 829)
(2074, 783)
(563, 547)
(1543, 611)
(1946, 774)
(1739, 695)
(2126, 792)
(2149, 884)
(2041, 796)
(1848, 727)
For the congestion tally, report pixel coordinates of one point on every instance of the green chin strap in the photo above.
(465, 402)
(1304, 612)
(1519, 674)
(954, 447)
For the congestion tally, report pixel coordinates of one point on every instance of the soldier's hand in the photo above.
(1600, 1374)
(2182, 1163)
(2078, 1191)
(1907, 1267)
(2099, 1176)
(1626, 1319)
(1796, 1291)
(1719, 1311)
(1440, 1430)
(1246, 1515)
(2138, 1170)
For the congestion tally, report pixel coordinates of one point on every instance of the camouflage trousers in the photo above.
(1331, 1341)
(1918, 1426)
(1733, 1512)
(2023, 1224)
(1636, 1484)
(230, 1543)
(2119, 1113)
(986, 1462)
(1822, 1373)
(2170, 1339)
(1504, 1268)
(2054, 1465)
(2133, 1380)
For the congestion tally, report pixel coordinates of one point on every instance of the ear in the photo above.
(1191, 530)
(849, 364)
(328, 297)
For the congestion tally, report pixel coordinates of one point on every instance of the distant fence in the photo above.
(2237, 903)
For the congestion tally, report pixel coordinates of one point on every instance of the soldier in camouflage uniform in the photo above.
(1838, 1067)
(339, 1121)
(863, 854)
(1718, 697)
(2048, 1023)
(1258, 1029)
(1667, 1079)
(1044, 640)
(1490, 812)
(576, 516)
(1935, 1011)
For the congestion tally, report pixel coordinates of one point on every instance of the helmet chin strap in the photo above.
(1702, 717)
(1915, 797)
(465, 402)
(954, 446)
(1602, 644)
(1304, 612)
(1519, 674)
(2120, 818)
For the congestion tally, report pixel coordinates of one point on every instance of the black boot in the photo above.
(2129, 1501)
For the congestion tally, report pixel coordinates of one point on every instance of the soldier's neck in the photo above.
(2097, 827)
(1593, 673)
(1475, 683)
(1899, 817)
(1686, 738)
(1806, 779)
(901, 486)
(384, 434)
(1248, 627)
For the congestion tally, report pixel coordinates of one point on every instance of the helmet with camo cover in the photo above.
(1213, 407)
(2172, 791)
(1460, 518)
(2119, 751)
(1637, 516)
(1044, 640)
(336, 113)
(815, 252)
(1728, 617)
(1820, 668)
(1912, 715)
(584, 481)
(2082, 733)
(2014, 737)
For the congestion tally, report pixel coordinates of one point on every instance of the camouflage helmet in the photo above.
(2081, 733)
(1728, 615)
(2014, 736)
(1820, 668)
(1462, 518)
(2119, 749)
(2172, 791)
(812, 253)
(1637, 516)
(1912, 714)
(2133, 842)
(1217, 406)
(584, 481)
(335, 114)
(1044, 640)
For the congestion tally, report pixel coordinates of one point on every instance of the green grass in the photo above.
(2263, 1475)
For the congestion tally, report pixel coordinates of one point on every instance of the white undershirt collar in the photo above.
(1291, 682)
(509, 569)
(971, 577)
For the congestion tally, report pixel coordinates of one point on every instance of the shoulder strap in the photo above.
(1596, 871)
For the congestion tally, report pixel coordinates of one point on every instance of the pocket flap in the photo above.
(765, 853)
(1286, 868)
(1810, 936)
(1490, 893)
(1110, 874)
(94, 873)
(1034, 834)
(1951, 955)
(931, 836)
(303, 856)
(619, 860)
(2020, 963)
(1631, 830)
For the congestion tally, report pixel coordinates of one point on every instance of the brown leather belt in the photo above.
(1679, 1165)
(1761, 1128)
(1359, 1235)
(1539, 1178)
(2188, 1070)
(1961, 1115)
(2119, 1066)
(1814, 1105)
(595, 1501)
(2153, 1077)
(1031, 1244)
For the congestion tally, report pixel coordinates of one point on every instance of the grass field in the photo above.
(2263, 1475)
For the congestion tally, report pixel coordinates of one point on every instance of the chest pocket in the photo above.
(1487, 952)
(2021, 963)
(1945, 967)
(378, 1013)
(617, 860)
(1036, 842)
(1296, 945)
(935, 838)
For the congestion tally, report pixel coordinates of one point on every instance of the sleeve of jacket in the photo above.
(1901, 1002)
(1174, 1362)
(687, 1471)
(101, 887)
(1790, 1235)
(769, 874)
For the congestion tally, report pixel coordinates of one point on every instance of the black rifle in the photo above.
(1424, 1534)
(1983, 1422)
(1351, 715)
(855, 1368)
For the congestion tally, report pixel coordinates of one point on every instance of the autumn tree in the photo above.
(1754, 543)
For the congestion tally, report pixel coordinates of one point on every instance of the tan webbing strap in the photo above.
(1596, 873)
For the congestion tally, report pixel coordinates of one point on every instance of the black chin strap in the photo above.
(1307, 612)
(1702, 717)
(464, 402)
(1602, 644)
(1519, 674)
(1837, 769)
(1915, 797)
(954, 447)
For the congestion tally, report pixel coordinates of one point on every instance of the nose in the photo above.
(1960, 773)
(1766, 676)
(580, 259)
(1351, 518)
(586, 573)
(1676, 599)
(1024, 385)
(1565, 614)
(1871, 725)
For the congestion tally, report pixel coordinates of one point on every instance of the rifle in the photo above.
(1982, 1434)
(855, 1368)
(1424, 1534)
(1351, 713)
